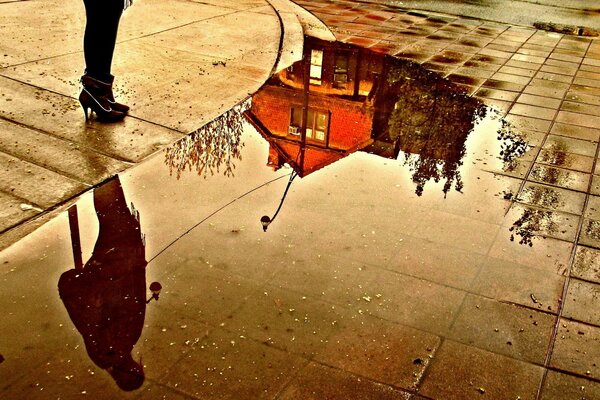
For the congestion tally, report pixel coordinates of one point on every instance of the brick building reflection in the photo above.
(341, 99)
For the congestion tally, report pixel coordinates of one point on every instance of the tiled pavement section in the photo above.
(548, 86)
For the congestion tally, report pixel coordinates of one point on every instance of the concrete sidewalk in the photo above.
(179, 64)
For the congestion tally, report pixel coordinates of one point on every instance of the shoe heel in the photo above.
(85, 111)
(99, 105)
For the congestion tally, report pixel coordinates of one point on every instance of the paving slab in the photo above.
(576, 349)
(563, 386)
(581, 303)
(320, 382)
(32, 107)
(586, 264)
(476, 373)
(519, 284)
(502, 328)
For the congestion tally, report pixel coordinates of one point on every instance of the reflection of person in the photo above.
(102, 23)
(106, 298)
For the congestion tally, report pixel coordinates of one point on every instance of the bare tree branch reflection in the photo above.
(592, 229)
(214, 147)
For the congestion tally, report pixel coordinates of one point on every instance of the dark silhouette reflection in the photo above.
(105, 298)
(341, 98)
(214, 147)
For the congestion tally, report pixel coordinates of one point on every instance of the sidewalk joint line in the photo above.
(64, 139)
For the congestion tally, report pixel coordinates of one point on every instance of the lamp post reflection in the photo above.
(265, 220)
(106, 297)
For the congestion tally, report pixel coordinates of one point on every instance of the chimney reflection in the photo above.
(106, 297)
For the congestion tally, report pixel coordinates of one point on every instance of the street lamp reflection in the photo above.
(265, 220)
(155, 288)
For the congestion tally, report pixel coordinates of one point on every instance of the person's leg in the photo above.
(98, 47)
(100, 36)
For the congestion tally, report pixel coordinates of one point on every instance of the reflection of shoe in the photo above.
(111, 98)
(94, 96)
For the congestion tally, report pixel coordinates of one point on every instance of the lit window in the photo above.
(316, 125)
(316, 66)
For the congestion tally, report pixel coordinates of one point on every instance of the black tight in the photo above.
(100, 36)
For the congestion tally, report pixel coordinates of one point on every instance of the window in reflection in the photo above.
(340, 72)
(366, 101)
(316, 125)
(316, 66)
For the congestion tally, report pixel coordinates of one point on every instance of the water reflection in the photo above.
(214, 147)
(105, 298)
(531, 223)
(341, 98)
(512, 146)
(556, 155)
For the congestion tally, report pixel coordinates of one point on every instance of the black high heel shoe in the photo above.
(94, 96)
(111, 98)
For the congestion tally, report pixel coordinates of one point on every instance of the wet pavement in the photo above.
(515, 12)
(360, 228)
(171, 58)
(412, 249)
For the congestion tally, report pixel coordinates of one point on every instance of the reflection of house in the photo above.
(341, 98)
(334, 82)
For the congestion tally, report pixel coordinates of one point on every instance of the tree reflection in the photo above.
(428, 119)
(212, 148)
(556, 155)
(512, 145)
(341, 98)
(592, 230)
(534, 221)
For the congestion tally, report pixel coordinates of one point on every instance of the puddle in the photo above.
(355, 162)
